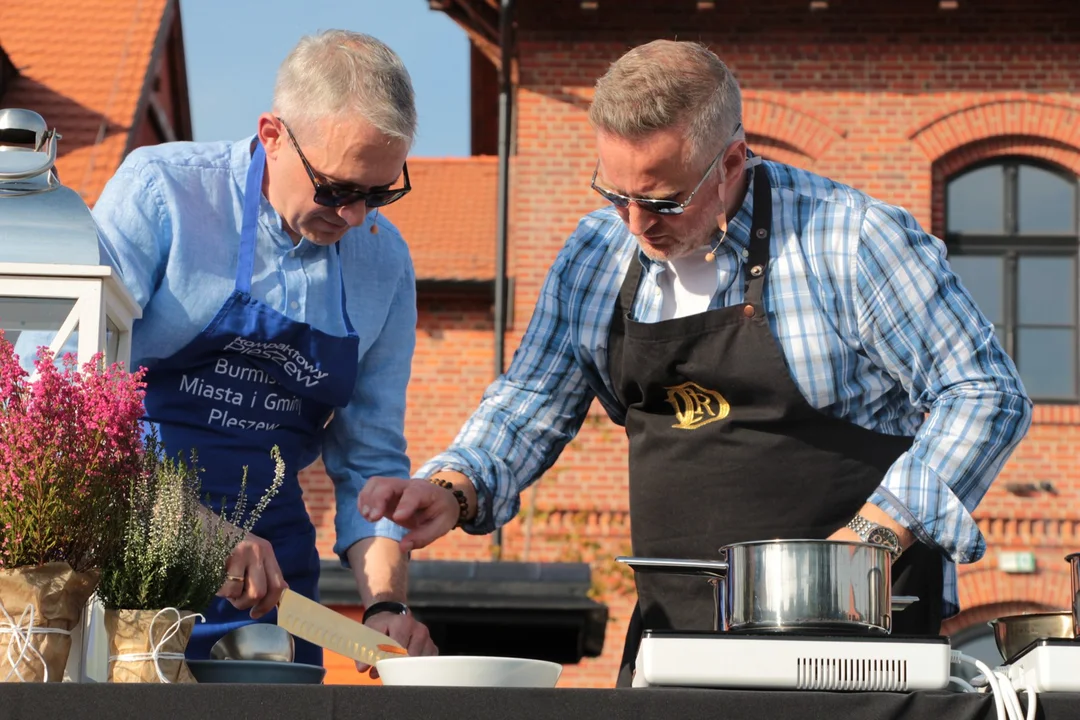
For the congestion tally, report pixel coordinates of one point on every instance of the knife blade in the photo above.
(308, 620)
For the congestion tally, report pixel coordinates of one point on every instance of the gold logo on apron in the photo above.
(695, 406)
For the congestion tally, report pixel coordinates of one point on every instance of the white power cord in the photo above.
(1006, 701)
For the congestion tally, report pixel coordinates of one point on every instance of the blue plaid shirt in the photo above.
(875, 327)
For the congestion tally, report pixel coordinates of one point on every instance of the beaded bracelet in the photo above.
(463, 502)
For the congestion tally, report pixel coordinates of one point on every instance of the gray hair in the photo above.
(667, 84)
(338, 72)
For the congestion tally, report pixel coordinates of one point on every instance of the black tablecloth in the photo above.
(301, 702)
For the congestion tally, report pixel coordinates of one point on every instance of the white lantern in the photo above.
(57, 287)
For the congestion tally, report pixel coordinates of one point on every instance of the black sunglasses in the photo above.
(335, 195)
(653, 205)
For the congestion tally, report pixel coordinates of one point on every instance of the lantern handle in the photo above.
(20, 128)
(49, 139)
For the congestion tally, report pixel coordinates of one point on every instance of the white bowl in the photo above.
(469, 671)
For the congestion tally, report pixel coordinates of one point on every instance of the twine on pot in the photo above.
(156, 655)
(21, 633)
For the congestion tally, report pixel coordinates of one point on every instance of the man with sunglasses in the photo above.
(279, 310)
(790, 358)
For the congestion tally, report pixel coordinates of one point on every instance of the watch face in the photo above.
(883, 536)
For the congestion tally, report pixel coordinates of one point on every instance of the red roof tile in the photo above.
(449, 219)
(82, 66)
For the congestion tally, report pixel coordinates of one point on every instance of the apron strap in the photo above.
(341, 279)
(758, 259)
(252, 198)
(629, 288)
(245, 265)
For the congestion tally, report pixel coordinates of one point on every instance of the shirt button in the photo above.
(294, 305)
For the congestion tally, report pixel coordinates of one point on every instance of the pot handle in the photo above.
(900, 602)
(668, 566)
(720, 615)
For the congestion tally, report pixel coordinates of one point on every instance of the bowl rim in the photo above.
(1039, 614)
(304, 673)
(248, 663)
(491, 658)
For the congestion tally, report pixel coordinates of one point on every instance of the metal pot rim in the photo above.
(807, 541)
(1021, 616)
(1070, 556)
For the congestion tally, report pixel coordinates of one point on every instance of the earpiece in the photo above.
(375, 223)
(721, 219)
(711, 255)
(721, 222)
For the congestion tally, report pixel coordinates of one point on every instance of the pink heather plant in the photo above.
(70, 445)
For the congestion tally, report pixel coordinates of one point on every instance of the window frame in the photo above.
(1010, 245)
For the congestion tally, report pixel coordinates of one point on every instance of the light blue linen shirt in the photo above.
(171, 217)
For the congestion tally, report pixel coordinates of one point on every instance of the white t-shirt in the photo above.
(688, 284)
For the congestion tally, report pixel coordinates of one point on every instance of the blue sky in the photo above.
(234, 47)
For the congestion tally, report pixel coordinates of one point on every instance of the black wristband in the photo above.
(391, 606)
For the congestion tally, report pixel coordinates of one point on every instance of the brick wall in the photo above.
(889, 100)
(451, 368)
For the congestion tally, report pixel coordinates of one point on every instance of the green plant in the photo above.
(610, 579)
(174, 549)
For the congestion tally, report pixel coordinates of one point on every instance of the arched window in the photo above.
(1011, 232)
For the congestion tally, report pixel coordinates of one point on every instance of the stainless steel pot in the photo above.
(813, 586)
(1074, 568)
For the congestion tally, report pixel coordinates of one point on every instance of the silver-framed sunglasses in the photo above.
(654, 205)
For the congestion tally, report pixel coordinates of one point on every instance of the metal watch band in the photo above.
(865, 529)
(861, 526)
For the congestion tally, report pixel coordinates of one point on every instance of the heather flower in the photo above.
(174, 548)
(70, 444)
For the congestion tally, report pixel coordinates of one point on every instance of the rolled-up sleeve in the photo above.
(527, 416)
(919, 323)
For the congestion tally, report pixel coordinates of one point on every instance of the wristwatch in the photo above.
(391, 606)
(877, 535)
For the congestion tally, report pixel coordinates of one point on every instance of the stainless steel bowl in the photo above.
(257, 641)
(1013, 633)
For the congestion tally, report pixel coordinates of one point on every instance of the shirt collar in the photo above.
(738, 232)
(240, 161)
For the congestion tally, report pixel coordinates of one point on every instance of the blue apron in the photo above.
(250, 380)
